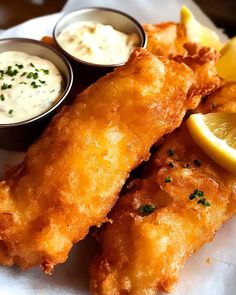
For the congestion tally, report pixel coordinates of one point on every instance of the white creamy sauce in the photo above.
(29, 85)
(97, 43)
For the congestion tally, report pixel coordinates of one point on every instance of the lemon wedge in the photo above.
(215, 133)
(226, 65)
(197, 32)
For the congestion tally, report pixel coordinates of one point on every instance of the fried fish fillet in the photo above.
(177, 207)
(222, 100)
(72, 175)
(166, 39)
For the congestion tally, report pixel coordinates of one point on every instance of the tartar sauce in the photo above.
(29, 85)
(97, 43)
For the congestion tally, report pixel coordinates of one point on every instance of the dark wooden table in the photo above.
(223, 13)
(13, 12)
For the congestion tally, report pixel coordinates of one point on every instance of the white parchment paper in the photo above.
(211, 271)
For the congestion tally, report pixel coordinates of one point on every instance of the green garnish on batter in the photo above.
(147, 209)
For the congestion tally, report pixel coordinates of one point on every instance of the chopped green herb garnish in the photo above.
(11, 72)
(32, 65)
(204, 202)
(171, 164)
(195, 194)
(30, 75)
(46, 72)
(146, 209)
(19, 66)
(43, 82)
(171, 152)
(199, 195)
(168, 179)
(6, 86)
(10, 112)
(192, 196)
(197, 162)
(35, 85)
(22, 82)
(2, 97)
(23, 74)
(35, 75)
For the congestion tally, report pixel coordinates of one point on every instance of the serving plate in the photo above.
(211, 271)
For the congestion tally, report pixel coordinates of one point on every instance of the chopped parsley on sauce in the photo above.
(19, 66)
(46, 72)
(6, 86)
(34, 85)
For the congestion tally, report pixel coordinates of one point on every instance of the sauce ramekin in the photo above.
(18, 136)
(117, 19)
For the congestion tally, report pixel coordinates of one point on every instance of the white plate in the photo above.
(198, 276)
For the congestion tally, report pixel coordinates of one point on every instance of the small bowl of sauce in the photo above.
(99, 37)
(34, 81)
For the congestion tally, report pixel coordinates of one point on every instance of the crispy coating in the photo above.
(72, 175)
(166, 39)
(222, 100)
(142, 255)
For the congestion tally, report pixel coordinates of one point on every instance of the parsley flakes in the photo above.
(6, 86)
(147, 209)
(171, 152)
(171, 165)
(199, 196)
(168, 179)
(204, 202)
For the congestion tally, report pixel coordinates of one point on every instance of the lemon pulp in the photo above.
(196, 32)
(215, 133)
(226, 65)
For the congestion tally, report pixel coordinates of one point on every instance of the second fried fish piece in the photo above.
(182, 200)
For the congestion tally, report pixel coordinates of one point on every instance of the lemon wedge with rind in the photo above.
(215, 133)
(196, 32)
(226, 65)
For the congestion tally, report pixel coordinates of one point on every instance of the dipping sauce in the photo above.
(29, 85)
(97, 43)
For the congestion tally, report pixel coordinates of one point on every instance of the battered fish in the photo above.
(177, 207)
(166, 39)
(72, 175)
(222, 100)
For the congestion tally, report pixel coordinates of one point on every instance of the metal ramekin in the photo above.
(117, 19)
(18, 136)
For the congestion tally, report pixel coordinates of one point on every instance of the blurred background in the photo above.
(13, 12)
